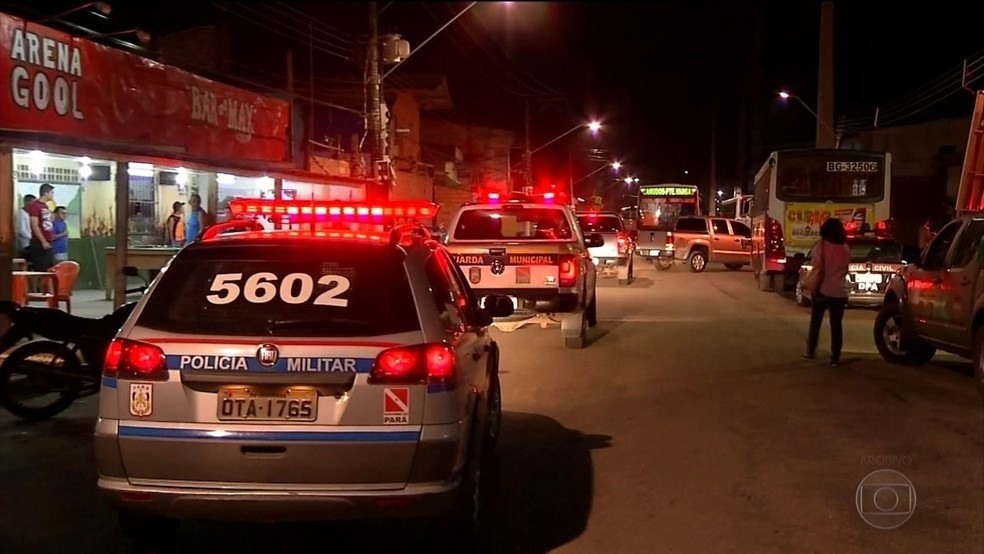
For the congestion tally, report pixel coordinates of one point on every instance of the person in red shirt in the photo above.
(42, 230)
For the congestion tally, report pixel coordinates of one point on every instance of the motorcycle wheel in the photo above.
(28, 369)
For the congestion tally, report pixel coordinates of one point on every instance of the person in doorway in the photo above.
(831, 258)
(197, 219)
(60, 229)
(42, 230)
(174, 227)
(24, 228)
(925, 235)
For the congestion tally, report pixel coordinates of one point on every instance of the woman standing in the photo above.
(831, 257)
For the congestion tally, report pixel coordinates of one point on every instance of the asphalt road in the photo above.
(690, 424)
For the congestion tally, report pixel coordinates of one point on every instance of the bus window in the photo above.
(830, 177)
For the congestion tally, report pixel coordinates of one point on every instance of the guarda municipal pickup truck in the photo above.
(938, 301)
(533, 252)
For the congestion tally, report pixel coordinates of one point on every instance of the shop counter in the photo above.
(150, 258)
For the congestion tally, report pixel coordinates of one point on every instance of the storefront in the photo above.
(109, 128)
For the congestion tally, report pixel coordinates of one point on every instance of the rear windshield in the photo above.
(599, 223)
(514, 223)
(880, 252)
(302, 290)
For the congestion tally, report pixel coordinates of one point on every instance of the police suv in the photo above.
(534, 252)
(305, 373)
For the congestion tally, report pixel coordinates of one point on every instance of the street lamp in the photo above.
(616, 165)
(786, 96)
(428, 39)
(142, 36)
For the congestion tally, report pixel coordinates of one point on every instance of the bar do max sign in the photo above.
(57, 84)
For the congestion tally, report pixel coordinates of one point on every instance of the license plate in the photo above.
(239, 404)
(868, 278)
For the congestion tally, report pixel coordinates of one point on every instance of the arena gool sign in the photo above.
(57, 84)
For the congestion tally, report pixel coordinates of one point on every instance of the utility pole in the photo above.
(712, 197)
(375, 108)
(527, 154)
(825, 79)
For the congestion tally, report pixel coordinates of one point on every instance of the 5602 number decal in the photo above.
(294, 288)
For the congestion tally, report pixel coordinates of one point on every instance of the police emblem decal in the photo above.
(267, 355)
(498, 268)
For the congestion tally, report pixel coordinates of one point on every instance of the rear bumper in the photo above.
(866, 299)
(258, 505)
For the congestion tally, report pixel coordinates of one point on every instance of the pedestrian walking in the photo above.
(830, 258)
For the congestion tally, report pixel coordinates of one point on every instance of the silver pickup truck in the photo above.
(615, 256)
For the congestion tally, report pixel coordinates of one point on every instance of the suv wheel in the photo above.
(591, 314)
(893, 346)
(698, 261)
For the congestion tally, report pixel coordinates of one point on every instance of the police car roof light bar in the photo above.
(240, 207)
(316, 235)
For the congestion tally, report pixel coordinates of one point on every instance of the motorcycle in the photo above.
(64, 365)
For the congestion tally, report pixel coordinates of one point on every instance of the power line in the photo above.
(340, 42)
(324, 25)
(545, 88)
(294, 37)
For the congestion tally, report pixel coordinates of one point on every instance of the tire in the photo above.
(764, 281)
(494, 414)
(779, 282)
(580, 340)
(801, 298)
(13, 365)
(697, 261)
(591, 314)
(893, 346)
(734, 267)
(662, 263)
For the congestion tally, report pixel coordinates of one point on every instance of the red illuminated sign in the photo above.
(59, 84)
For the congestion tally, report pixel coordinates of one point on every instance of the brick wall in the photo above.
(450, 199)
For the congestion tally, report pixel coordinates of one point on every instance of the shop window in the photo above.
(143, 227)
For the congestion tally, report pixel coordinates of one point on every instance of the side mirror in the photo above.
(496, 305)
(911, 255)
(594, 240)
(131, 271)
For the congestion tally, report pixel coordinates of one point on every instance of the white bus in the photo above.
(797, 190)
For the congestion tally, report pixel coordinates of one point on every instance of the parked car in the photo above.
(698, 241)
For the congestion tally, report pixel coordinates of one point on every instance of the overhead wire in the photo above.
(321, 45)
(534, 92)
(937, 90)
(341, 42)
(505, 53)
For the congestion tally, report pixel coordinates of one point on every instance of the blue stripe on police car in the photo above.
(283, 365)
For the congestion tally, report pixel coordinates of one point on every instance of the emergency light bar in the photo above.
(240, 207)
(883, 228)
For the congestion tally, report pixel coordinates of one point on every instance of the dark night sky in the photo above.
(654, 72)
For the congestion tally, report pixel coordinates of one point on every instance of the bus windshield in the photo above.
(835, 176)
(660, 206)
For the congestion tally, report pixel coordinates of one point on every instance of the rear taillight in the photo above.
(623, 243)
(669, 239)
(130, 359)
(567, 270)
(421, 363)
(775, 246)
